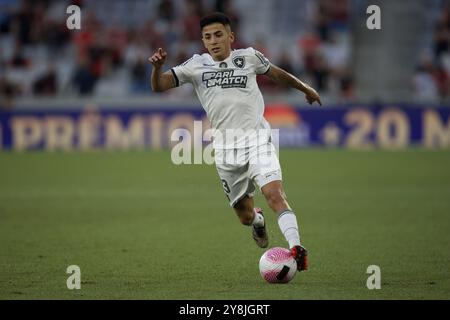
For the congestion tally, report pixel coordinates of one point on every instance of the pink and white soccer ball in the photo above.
(277, 265)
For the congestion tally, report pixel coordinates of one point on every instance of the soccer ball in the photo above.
(277, 265)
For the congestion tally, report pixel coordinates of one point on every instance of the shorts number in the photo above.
(225, 186)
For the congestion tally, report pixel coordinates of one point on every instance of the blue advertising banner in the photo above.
(362, 127)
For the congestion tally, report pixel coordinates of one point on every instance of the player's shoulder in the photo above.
(195, 60)
(244, 52)
(251, 54)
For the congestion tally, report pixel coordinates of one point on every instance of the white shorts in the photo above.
(240, 169)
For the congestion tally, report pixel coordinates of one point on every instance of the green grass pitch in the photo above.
(140, 227)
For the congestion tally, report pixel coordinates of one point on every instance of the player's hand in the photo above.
(158, 58)
(312, 95)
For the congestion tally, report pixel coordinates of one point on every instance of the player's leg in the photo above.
(251, 216)
(275, 196)
(287, 220)
(239, 190)
(267, 175)
(244, 210)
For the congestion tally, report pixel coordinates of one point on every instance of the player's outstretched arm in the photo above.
(160, 81)
(286, 79)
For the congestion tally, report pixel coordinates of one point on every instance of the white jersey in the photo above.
(230, 95)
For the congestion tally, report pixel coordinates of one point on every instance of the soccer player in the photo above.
(225, 83)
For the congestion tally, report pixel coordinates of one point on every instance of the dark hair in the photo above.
(215, 17)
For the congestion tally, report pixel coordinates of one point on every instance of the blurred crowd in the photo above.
(40, 56)
(323, 53)
(431, 81)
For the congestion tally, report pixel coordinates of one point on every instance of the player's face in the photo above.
(217, 39)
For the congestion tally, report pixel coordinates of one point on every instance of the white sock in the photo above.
(287, 222)
(258, 220)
